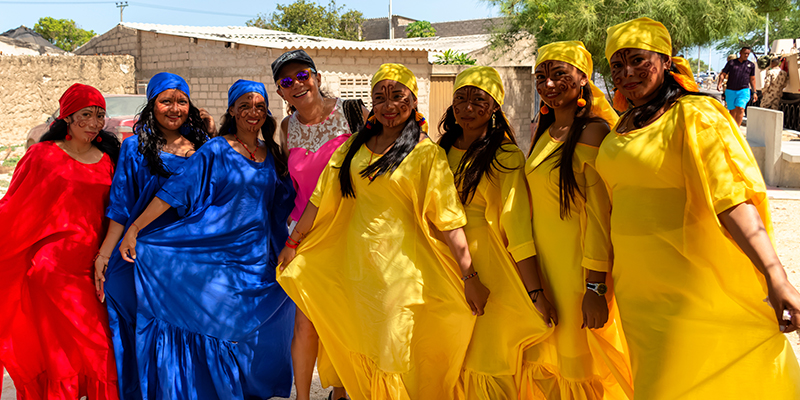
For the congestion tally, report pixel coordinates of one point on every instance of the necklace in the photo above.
(252, 154)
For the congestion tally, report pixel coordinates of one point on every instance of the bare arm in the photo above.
(530, 274)
(304, 224)
(281, 136)
(594, 307)
(101, 262)
(746, 228)
(753, 85)
(154, 210)
(720, 79)
(475, 292)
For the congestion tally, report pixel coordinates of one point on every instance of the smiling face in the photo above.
(473, 108)
(300, 93)
(85, 124)
(250, 112)
(638, 74)
(171, 110)
(559, 83)
(392, 103)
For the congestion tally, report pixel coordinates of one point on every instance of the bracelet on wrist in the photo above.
(534, 294)
(98, 255)
(292, 241)
(290, 245)
(472, 275)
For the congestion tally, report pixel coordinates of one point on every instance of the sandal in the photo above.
(330, 396)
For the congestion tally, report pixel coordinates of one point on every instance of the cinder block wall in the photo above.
(30, 86)
(211, 67)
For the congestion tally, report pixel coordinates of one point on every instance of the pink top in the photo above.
(311, 147)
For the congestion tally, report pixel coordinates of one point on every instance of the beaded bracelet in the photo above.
(472, 275)
(535, 293)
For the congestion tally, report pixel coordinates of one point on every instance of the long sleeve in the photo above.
(441, 205)
(124, 190)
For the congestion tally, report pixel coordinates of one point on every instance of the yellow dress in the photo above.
(691, 303)
(379, 284)
(573, 363)
(499, 235)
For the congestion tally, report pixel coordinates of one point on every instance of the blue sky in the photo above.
(100, 16)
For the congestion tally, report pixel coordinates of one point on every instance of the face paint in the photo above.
(473, 108)
(250, 112)
(638, 74)
(559, 83)
(85, 124)
(171, 110)
(392, 103)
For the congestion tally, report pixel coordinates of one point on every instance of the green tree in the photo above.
(420, 29)
(690, 22)
(308, 18)
(63, 33)
(693, 64)
(784, 23)
(450, 57)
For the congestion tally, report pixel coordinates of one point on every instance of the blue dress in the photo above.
(212, 323)
(133, 188)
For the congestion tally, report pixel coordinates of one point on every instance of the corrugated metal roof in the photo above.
(437, 45)
(265, 38)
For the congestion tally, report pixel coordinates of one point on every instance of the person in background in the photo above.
(740, 74)
(169, 129)
(211, 320)
(774, 82)
(691, 233)
(490, 178)
(54, 337)
(383, 269)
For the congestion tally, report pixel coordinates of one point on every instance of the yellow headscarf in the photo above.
(402, 75)
(575, 54)
(647, 34)
(484, 78)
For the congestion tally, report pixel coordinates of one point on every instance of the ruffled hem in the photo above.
(379, 384)
(540, 381)
(167, 353)
(66, 389)
(478, 386)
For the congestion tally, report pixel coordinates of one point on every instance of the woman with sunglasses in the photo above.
(384, 267)
(702, 294)
(54, 337)
(315, 129)
(211, 320)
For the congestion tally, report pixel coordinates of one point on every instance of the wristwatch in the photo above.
(600, 288)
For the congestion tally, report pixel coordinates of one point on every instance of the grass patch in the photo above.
(4, 183)
(10, 162)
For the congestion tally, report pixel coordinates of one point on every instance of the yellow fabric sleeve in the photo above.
(330, 173)
(441, 205)
(597, 249)
(513, 201)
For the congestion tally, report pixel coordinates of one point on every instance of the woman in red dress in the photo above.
(54, 338)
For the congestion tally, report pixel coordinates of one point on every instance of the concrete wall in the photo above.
(378, 28)
(211, 67)
(30, 86)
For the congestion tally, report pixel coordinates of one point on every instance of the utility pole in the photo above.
(698, 59)
(391, 27)
(121, 5)
(766, 36)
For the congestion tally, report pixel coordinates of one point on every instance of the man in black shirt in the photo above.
(741, 74)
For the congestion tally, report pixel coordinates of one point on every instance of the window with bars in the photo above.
(355, 88)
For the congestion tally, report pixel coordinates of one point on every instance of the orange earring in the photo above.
(581, 100)
(544, 109)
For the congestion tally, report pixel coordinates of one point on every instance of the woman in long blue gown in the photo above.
(212, 323)
(169, 129)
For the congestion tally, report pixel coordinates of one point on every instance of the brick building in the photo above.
(212, 58)
(378, 28)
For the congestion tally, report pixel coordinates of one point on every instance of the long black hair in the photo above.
(670, 92)
(481, 155)
(108, 143)
(152, 141)
(389, 162)
(267, 135)
(568, 186)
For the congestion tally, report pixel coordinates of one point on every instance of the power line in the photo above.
(134, 3)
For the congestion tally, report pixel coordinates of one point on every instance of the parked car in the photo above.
(122, 111)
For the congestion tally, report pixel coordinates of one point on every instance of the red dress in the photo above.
(54, 336)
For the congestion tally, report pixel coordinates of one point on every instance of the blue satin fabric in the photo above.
(212, 323)
(243, 86)
(163, 81)
(132, 190)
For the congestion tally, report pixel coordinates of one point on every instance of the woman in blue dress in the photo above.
(169, 129)
(212, 323)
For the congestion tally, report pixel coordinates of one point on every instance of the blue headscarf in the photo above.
(242, 87)
(164, 81)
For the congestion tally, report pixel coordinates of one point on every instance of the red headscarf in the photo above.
(80, 96)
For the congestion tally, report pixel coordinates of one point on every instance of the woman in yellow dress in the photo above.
(690, 226)
(585, 358)
(384, 267)
(489, 173)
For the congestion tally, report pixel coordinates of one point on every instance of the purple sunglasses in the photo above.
(301, 76)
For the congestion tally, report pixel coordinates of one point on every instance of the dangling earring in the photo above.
(544, 109)
(493, 117)
(68, 137)
(581, 100)
(370, 122)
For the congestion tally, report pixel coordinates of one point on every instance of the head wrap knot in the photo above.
(574, 53)
(165, 81)
(78, 97)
